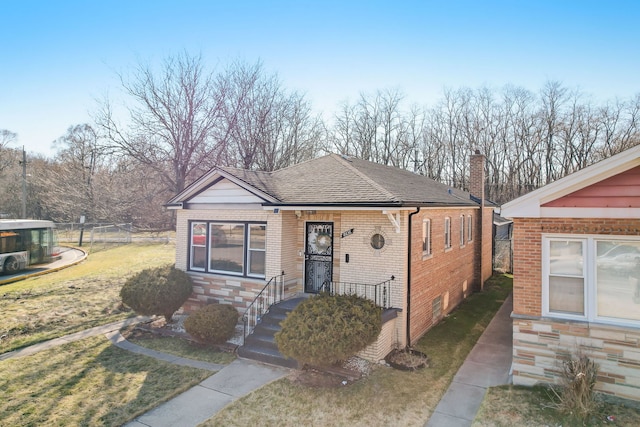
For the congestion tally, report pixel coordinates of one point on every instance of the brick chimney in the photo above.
(476, 176)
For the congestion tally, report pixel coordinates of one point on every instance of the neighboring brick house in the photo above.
(576, 274)
(336, 222)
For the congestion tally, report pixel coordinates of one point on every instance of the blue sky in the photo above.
(58, 57)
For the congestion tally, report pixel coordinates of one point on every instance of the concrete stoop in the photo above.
(260, 345)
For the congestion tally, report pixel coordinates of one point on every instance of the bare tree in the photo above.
(173, 119)
(6, 155)
(265, 126)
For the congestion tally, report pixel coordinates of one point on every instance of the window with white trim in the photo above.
(234, 248)
(447, 233)
(461, 230)
(469, 228)
(426, 237)
(593, 278)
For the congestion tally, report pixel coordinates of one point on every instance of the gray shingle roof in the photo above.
(338, 180)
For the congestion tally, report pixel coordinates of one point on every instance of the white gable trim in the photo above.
(529, 205)
(225, 192)
(211, 178)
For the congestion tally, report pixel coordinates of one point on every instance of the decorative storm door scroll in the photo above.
(318, 256)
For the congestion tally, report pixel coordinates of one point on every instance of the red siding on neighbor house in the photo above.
(619, 191)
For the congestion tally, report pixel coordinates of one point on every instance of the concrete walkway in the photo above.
(195, 405)
(201, 402)
(488, 365)
(98, 330)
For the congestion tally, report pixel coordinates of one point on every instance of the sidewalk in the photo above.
(98, 330)
(488, 365)
(201, 402)
(195, 405)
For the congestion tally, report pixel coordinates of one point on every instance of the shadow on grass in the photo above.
(88, 382)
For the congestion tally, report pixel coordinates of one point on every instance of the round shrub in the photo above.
(327, 329)
(157, 291)
(213, 323)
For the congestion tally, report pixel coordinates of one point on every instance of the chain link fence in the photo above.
(97, 235)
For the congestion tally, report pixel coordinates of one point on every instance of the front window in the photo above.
(257, 249)
(469, 228)
(235, 248)
(592, 278)
(461, 230)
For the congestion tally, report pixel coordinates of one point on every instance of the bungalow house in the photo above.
(576, 275)
(341, 224)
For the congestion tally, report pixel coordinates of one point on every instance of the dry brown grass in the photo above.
(75, 298)
(510, 406)
(387, 397)
(88, 382)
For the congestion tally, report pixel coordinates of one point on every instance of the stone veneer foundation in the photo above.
(541, 344)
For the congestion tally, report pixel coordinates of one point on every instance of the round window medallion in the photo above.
(377, 241)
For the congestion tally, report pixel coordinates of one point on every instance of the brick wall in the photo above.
(447, 273)
(540, 344)
(387, 341)
(527, 247)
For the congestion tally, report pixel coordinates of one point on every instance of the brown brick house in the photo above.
(349, 225)
(576, 273)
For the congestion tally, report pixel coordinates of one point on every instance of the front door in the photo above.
(318, 256)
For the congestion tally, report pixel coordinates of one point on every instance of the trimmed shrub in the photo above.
(327, 329)
(157, 291)
(213, 323)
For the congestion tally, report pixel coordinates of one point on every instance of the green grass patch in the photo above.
(179, 347)
(87, 382)
(387, 396)
(75, 298)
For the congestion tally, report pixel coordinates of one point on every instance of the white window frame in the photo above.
(447, 233)
(589, 274)
(426, 237)
(249, 250)
(246, 248)
(470, 228)
(462, 241)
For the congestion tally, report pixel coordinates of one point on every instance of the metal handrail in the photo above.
(379, 293)
(272, 293)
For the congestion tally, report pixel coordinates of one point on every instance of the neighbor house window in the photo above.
(426, 237)
(447, 233)
(594, 278)
(461, 230)
(236, 248)
(469, 228)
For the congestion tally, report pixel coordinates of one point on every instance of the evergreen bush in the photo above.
(157, 291)
(328, 329)
(213, 323)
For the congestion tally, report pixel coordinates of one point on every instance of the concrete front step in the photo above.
(260, 344)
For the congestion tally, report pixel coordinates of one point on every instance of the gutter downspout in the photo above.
(408, 323)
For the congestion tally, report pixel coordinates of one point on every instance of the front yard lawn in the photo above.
(88, 382)
(76, 298)
(387, 396)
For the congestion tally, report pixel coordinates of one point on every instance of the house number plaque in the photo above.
(347, 233)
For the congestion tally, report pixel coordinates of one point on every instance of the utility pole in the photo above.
(24, 183)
